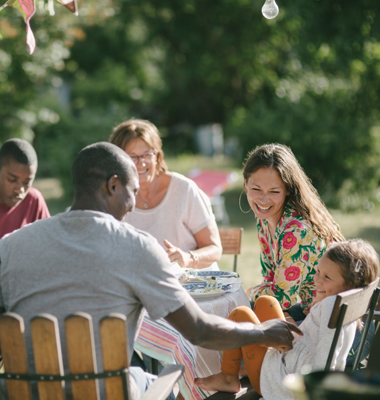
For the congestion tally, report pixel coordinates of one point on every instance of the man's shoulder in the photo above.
(111, 225)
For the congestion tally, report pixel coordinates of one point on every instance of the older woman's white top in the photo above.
(310, 349)
(184, 211)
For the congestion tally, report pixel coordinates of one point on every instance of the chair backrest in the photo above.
(374, 359)
(231, 242)
(46, 344)
(350, 306)
(376, 314)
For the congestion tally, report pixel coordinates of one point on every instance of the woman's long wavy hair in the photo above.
(132, 129)
(303, 196)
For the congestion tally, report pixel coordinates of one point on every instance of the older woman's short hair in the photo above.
(132, 129)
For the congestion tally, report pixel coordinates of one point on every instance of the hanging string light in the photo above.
(270, 9)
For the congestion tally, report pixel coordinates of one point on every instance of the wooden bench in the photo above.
(83, 375)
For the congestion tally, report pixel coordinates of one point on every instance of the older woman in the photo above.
(169, 206)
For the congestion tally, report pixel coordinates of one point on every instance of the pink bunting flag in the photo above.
(70, 5)
(26, 8)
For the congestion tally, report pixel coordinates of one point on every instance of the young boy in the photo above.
(20, 204)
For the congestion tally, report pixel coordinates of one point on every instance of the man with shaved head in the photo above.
(88, 260)
(20, 204)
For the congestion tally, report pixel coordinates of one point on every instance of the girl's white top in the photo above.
(312, 348)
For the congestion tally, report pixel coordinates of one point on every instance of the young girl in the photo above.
(345, 265)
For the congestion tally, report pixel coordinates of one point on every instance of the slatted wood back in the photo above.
(231, 242)
(114, 343)
(13, 350)
(80, 352)
(80, 341)
(47, 355)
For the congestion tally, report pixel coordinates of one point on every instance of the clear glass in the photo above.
(270, 9)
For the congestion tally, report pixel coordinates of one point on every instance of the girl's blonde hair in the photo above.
(303, 196)
(132, 129)
(358, 262)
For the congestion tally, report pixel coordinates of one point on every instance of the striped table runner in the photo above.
(160, 340)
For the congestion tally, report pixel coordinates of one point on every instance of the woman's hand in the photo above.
(175, 254)
(209, 249)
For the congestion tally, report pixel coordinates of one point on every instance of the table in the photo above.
(160, 340)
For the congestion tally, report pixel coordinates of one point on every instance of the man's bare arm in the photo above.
(216, 333)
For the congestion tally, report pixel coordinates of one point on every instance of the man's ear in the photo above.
(112, 184)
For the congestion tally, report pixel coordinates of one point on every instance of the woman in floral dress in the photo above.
(294, 227)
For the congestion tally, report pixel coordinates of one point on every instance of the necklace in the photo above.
(144, 202)
(151, 195)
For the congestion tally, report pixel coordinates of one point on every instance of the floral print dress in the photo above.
(288, 263)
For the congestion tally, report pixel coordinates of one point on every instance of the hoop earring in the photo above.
(245, 212)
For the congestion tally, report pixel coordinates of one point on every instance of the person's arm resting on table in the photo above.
(209, 249)
(217, 333)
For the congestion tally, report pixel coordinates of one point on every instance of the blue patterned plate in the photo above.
(197, 290)
(220, 274)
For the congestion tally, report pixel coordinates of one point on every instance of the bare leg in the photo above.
(219, 382)
(228, 379)
(266, 307)
(243, 371)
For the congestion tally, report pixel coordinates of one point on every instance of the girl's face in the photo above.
(266, 194)
(144, 158)
(328, 279)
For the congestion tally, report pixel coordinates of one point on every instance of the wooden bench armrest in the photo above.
(163, 385)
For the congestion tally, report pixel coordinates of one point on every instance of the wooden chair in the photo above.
(50, 375)
(376, 315)
(231, 242)
(374, 359)
(349, 306)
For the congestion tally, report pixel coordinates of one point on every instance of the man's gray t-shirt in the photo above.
(86, 261)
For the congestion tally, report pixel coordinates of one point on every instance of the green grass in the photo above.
(364, 224)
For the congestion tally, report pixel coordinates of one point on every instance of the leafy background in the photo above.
(309, 78)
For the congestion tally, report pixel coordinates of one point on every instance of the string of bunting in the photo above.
(27, 9)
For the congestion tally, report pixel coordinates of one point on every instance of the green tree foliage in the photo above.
(324, 101)
(309, 78)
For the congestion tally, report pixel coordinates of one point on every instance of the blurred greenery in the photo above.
(310, 78)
